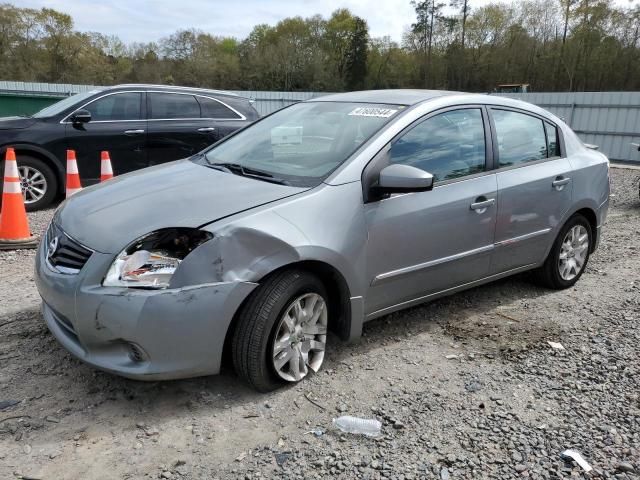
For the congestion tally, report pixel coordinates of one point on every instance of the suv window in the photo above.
(173, 105)
(521, 137)
(448, 145)
(214, 109)
(119, 106)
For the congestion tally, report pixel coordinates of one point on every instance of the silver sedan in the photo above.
(317, 218)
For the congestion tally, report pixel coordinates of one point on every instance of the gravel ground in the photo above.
(466, 387)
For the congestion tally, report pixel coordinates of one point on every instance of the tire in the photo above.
(557, 273)
(45, 179)
(261, 320)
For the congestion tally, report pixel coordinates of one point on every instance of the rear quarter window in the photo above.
(553, 145)
(212, 108)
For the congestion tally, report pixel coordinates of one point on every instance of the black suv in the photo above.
(140, 126)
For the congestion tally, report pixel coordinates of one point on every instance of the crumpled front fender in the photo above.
(239, 253)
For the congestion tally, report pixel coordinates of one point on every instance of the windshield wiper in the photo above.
(219, 168)
(243, 171)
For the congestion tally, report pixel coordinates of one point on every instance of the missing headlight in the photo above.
(178, 241)
(151, 261)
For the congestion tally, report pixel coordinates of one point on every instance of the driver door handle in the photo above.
(481, 206)
(560, 182)
(133, 133)
(206, 129)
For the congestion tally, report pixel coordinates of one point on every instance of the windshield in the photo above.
(302, 144)
(63, 104)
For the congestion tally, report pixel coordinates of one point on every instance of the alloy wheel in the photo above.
(33, 183)
(573, 252)
(301, 337)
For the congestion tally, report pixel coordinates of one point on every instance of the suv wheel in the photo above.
(569, 255)
(38, 181)
(282, 331)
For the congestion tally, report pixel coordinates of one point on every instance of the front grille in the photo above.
(64, 254)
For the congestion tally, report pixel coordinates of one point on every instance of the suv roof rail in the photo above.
(176, 87)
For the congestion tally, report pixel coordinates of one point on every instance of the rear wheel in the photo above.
(569, 255)
(282, 331)
(38, 182)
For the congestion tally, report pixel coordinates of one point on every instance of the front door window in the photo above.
(448, 145)
(116, 107)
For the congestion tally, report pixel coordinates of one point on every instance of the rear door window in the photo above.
(521, 137)
(173, 105)
(119, 106)
(214, 109)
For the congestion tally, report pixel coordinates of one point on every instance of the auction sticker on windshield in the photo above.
(373, 112)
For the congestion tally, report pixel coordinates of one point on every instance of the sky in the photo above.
(150, 20)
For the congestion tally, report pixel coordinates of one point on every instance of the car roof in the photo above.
(395, 97)
(410, 97)
(170, 88)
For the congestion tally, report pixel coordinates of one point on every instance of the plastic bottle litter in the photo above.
(363, 426)
(579, 459)
(556, 345)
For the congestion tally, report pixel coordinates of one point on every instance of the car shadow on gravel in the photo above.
(490, 318)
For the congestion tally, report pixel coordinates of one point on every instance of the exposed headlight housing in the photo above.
(151, 261)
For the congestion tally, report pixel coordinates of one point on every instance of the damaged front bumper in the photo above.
(140, 334)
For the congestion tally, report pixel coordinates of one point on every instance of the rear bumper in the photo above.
(139, 334)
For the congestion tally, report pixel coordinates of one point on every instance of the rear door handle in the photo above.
(560, 182)
(133, 133)
(206, 129)
(482, 205)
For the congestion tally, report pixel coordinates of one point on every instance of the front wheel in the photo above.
(281, 332)
(569, 255)
(38, 182)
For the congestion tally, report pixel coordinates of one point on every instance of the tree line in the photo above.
(554, 45)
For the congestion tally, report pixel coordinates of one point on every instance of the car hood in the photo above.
(13, 123)
(110, 216)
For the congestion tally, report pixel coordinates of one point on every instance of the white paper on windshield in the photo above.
(286, 135)
(373, 112)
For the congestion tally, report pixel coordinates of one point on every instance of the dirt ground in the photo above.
(466, 387)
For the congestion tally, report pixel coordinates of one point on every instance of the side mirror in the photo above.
(81, 116)
(404, 179)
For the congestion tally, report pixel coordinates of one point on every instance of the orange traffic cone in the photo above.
(106, 172)
(73, 177)
(14, 225)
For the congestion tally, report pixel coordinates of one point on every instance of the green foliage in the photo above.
(451, 44)
(356, 55)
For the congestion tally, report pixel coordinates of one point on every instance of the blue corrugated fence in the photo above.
(610, 120)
